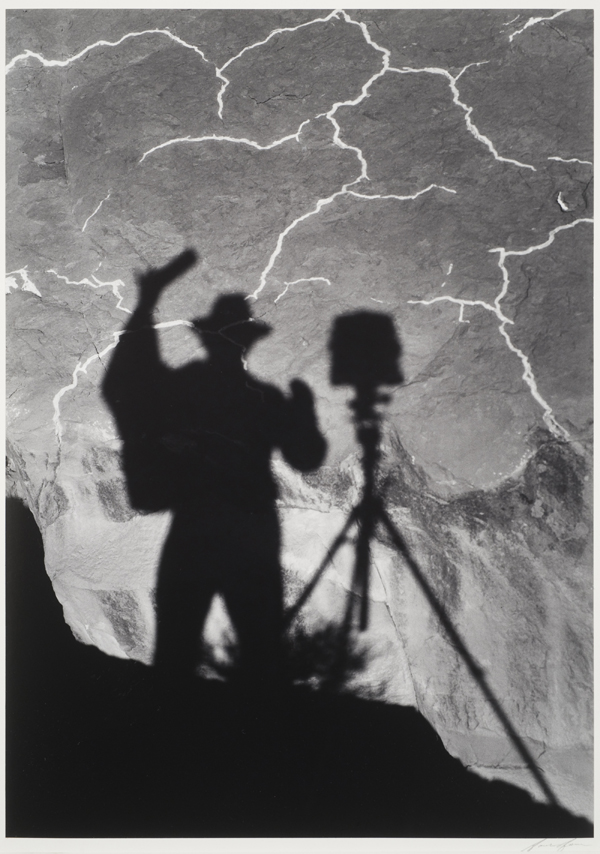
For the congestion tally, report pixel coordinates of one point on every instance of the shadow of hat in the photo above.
(231, 318)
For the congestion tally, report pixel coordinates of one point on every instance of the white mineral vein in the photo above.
(93, 214)
(114, 286)
(62, 63)
(533, 21)
(26, 283)
(471, 127)
(317, 208)
(218, 138)
(336, 13)
(80, 368)
(297, 281)
(461, 317)
(401, 198)
(527, 375)
(364, 93)
(169, 324)
(330, 115)
(572, 160)
(462, 303)
(225, 81)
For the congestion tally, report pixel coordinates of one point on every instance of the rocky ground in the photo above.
(431, 165)
(104, 748)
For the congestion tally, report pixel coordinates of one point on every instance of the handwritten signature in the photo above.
(558, 846)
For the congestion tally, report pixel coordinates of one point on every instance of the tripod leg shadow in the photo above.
(476, 671)
(366, 515)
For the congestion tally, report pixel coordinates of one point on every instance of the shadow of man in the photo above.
(198, 440)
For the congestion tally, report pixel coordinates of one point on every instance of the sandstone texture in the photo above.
(431, 165)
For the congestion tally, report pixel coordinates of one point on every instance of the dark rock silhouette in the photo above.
(99, 747)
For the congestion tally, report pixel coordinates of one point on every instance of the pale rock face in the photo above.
(434, 166)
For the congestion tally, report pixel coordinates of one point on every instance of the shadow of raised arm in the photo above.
(136, 388)
(153, 282)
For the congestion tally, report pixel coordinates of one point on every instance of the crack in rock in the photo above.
(527, 376)
(237, 140)
(114, 286)
(63, 63)
(297, 281)
(471, 127)
(319, 206)
(105, 199)
(533, 21)
(225, 81)
(572, 160)
(80, 369)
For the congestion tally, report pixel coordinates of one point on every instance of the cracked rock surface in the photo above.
(432, 165)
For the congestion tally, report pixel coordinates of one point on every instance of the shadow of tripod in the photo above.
(365, 355)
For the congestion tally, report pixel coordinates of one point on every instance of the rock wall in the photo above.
(432, 165)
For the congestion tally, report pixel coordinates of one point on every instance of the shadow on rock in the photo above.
(98, 747)
(198, 440)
